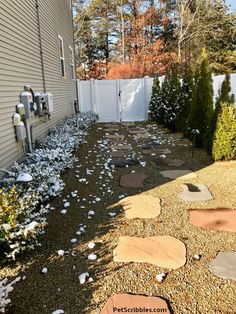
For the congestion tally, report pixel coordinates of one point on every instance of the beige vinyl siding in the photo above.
(20, 63)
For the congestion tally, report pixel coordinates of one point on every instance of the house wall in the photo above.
(20, 63)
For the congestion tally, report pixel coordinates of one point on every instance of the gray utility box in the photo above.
(27, 99)
(20, 133)
(47, 102)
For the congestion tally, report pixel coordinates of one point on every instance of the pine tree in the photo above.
(170, 99)
(156, 93)
(186, 97)
(225, 96)
(224, 143)
(202, 105)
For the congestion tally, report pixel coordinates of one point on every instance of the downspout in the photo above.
(75, 63)
(40, 45)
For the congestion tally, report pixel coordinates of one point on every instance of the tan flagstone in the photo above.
(109, 136)
(128, 301)
(179, 174)
(162, 251)
(223, 265)
(195, 192)
(119, 153)
(121, 147)
(138, 131)
(168, 162)
(141, 206)
(133, 180)
(216, 219)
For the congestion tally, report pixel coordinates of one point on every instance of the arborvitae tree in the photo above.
(185, 100)
(170, 98)
(202, 105)
(224, 143)
(225, 96)
(155, 98)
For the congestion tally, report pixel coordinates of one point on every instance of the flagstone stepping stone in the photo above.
(138, 131)
(142, 136)
(195, 192)
(150, 145)
(168, 162)
(111, 130)
(128, 301)
(185, 141)
(162, 251)
(223, 265)
(133, 180)
(141, 206)
(179, 174)
(121, 147)
(163, 151)
(110, 126)
(119, 153)
(148, 151)
(114, 136)
(116, 140)
(215, 219)
(123, 163)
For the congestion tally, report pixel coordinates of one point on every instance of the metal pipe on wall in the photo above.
(40, 45)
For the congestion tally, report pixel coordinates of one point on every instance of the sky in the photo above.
(232, 3)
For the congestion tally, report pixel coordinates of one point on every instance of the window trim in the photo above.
(73, 63)
(61, 43)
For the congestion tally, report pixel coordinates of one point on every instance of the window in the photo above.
(72, 63)
(62, 57)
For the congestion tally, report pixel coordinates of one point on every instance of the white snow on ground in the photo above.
(74, 240)
(44, 270)
(58, 312)
(5, 288)
(92, 257)
(82, 278)
(61, 252)
(91, 245)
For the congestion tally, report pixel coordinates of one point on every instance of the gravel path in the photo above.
(189, 289)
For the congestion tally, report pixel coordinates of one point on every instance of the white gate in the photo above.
(125, 100)
(116, 100)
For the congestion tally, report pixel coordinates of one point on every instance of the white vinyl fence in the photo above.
(125, 100)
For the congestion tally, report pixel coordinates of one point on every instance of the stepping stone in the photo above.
(133, 180)
(185, 141)
(111, 130)
(148, 151)
(168, 162)
(150, 145)
(116, 140)
(121, 147)
(119, 153)
(110, 126)
(128, 301)
(123, 163)
(163, 151)
(142, 136)
(215, 219)
(195, 192)
(141, 206)
(179, 174)
(223, 265)
(162, 251)
(138, 131)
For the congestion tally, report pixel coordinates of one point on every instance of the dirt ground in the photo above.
(189, 289)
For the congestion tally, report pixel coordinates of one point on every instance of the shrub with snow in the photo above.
(20, 227)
